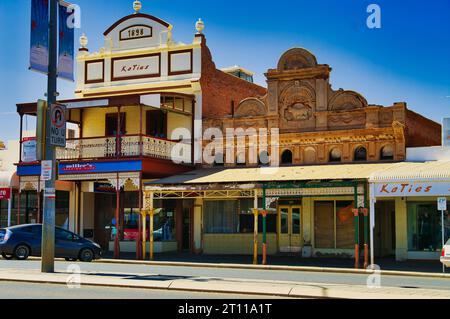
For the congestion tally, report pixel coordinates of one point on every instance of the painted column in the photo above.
(255, 232)
(117, 237)
(372, 223)
(401, 232)
(10, 206)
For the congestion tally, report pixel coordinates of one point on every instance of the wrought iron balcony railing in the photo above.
(125, 146)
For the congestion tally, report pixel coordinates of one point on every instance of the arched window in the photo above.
(360, 154)
(264, 158)
(309, 155)
(240, 160)
(286, 157)
(219, 160)
(335, 155)
(387, 153)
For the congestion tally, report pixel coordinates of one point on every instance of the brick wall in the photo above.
(421, 131)
(220, 89)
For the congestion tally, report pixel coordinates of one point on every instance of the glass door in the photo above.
(289, 229)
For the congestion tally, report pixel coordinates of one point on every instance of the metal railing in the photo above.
(125, 146)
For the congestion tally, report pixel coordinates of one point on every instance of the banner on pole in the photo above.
(39, 36)
(66, 41)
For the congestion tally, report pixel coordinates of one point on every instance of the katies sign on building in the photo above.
(412, 189)
(138, 67)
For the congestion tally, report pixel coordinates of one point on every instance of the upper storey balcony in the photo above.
(133, 126)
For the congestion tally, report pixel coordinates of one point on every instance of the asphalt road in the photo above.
(170, 272)
(15, 290)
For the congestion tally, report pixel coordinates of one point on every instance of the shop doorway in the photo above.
(384, 233)
(104, 219)
(289, 229)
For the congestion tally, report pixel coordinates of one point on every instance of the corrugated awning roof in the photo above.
(268, 174)
(409, 171)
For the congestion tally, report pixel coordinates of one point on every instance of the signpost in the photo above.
(442, 206)
(52, 121)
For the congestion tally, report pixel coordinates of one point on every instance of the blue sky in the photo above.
(408, 59)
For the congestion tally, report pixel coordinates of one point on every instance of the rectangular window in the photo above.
(221, 217)
(62, 209)
(247, 220)
(424, 227)
(111, 124)
(334, 224)
(156, 124)
(345, 225)
(324, 224)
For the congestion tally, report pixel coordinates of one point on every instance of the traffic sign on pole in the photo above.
(58, 125)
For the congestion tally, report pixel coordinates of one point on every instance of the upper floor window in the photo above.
(111, 124)
(286, 157)
(387, 153)
(360, 154)
(156, 123)
(264, 158)
(335, 155)
(219, 160)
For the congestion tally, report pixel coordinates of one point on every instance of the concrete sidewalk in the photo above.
(222, 285)
(388, 266)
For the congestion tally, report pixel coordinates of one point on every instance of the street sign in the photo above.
(442, 203)
(58, 125)
(5, 193)
(46, 170)
(50, 193)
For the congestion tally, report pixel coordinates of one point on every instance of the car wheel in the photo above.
(86, 255)
(7, 257)
(21, 252)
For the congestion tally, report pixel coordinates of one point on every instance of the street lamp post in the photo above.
(48, 226)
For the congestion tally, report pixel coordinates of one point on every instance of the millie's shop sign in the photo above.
(412, 189)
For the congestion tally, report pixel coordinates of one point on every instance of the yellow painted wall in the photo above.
(94, 120)
(240, 244)
(401, 229)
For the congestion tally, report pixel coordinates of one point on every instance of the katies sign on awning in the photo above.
(412, 189)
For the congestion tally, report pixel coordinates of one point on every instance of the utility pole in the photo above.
(48, 227)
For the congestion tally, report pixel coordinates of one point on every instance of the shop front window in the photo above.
(62, 209)
(334, 224)
(164, 225)
(247, 219)
(425, 228)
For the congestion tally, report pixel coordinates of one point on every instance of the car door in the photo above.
(36, 240)
(67, 244)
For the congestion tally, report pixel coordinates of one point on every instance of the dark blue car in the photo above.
(22, 241)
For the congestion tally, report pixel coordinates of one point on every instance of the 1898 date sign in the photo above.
(58, 125)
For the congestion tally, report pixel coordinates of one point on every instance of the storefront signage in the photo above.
(29, 149)
(5, 193)
(99, 167)
(46, 170)
(412, 189)
(442, 203)
(136, 67)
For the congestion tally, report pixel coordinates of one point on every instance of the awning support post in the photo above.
(366, 237)
(372, 225)
(152, 213)
(255, 233)
(264, 247)
(9, 207)
(117, 237)
(356, 215)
